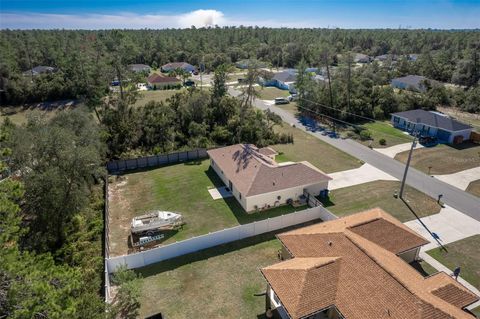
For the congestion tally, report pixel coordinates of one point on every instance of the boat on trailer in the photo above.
(155, 221)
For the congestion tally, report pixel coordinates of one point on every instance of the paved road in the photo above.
(452, 196)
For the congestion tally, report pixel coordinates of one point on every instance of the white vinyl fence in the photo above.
(224, 236)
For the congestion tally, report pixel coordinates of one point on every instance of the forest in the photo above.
(87, 61)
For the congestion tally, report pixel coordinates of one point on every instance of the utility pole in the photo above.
(414, 143)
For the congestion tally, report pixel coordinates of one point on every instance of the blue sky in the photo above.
(95, 14)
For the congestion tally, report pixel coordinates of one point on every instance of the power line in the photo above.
(336, 109)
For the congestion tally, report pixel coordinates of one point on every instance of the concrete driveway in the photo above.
(461, 179)
(394, 150)
(364, 174)
(450, 225)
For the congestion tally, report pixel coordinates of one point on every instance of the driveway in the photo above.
(461, 179)
(452, 196)
(394, 150)
(364, 174)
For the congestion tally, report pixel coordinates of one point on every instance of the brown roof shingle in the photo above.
(253, 173)
(372, 281)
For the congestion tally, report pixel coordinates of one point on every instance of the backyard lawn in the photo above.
(465, 254)
(444, 159)
(155, 95)
(474, 188)
(180, 188)
(386, 131)
(349, 200)
(270, 93)
(219, 282)
(309, 148)
(19, 115)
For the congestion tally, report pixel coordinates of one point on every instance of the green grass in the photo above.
(444, 159)
(219, 282)
(180, 188)
(309, 148)
(270, 93)
(353, 199)
(386, 131)
(19, 115)
(155, 95)
(465, 254)
(474, 188)
(476, 311)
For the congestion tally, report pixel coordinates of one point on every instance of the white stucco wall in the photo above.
(226, 181)
(291, 193)
(410, 255)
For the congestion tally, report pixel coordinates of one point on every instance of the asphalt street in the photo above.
(452, 196)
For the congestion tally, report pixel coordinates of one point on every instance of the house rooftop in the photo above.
(176, 65)
(157, 78)
(253, 172)
(433, 119)
(357, 267)
(286, 76)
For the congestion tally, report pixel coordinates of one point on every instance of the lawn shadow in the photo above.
(326, 201)
(464, 146)
(152, 168)
(174, 263)
(418, 267)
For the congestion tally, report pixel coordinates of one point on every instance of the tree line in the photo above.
(88, 60)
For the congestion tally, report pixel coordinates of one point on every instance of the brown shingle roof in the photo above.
(253, 173)
(157, 78)
(372, 281)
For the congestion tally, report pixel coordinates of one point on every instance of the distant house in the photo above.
(357, 267)
(284, 80)
(435, 124)
(416, 83)
(158, 81)
(41, 69)
(361, 58)
(250, 63)
(385, 57)
(138, 68)
(412, 57)
(178, 65)
(258, 182)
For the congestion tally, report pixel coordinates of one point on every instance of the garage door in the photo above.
(443, 135)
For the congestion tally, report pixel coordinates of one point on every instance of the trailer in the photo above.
(155, 221)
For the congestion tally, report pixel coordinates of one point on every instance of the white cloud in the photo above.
(202, 18)
(198, 18)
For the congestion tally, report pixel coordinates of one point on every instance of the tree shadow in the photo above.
(204, 254)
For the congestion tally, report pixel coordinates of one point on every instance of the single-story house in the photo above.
(158, 81)
(357, 267)
(258, 182)
(435, 124)
(138, 68)
(416, 83)
(41, 69)
(283, 80)
(178, 65)
(361, 58)
(385, 57)
(250, 63)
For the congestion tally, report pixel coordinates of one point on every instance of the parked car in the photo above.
(189, 83)
(281, 100)
(292, 97)
(428, 140)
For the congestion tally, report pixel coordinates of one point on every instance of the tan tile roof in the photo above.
(267, 151)
(372, 281)
(253, 173)
(157, 78)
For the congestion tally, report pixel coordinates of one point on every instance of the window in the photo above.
(240, 195)
(213, 163)
(396, 119)
(279, 197)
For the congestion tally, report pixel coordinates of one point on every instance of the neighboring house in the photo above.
(283, 80)
(361, 58)
(385, 57)
(250, 63)
(178, 65)
(416, 83)
(158, 81)
(258, 182)
(412, 57)
(429, 123)
(138, 68)
(41, 69)
(357, 267)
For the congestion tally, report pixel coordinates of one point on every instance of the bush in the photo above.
(365, 135)
(351, 134)
(382, 141)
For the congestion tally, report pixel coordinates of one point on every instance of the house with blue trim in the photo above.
(178, 65)
(434, 124)
(416, 83)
